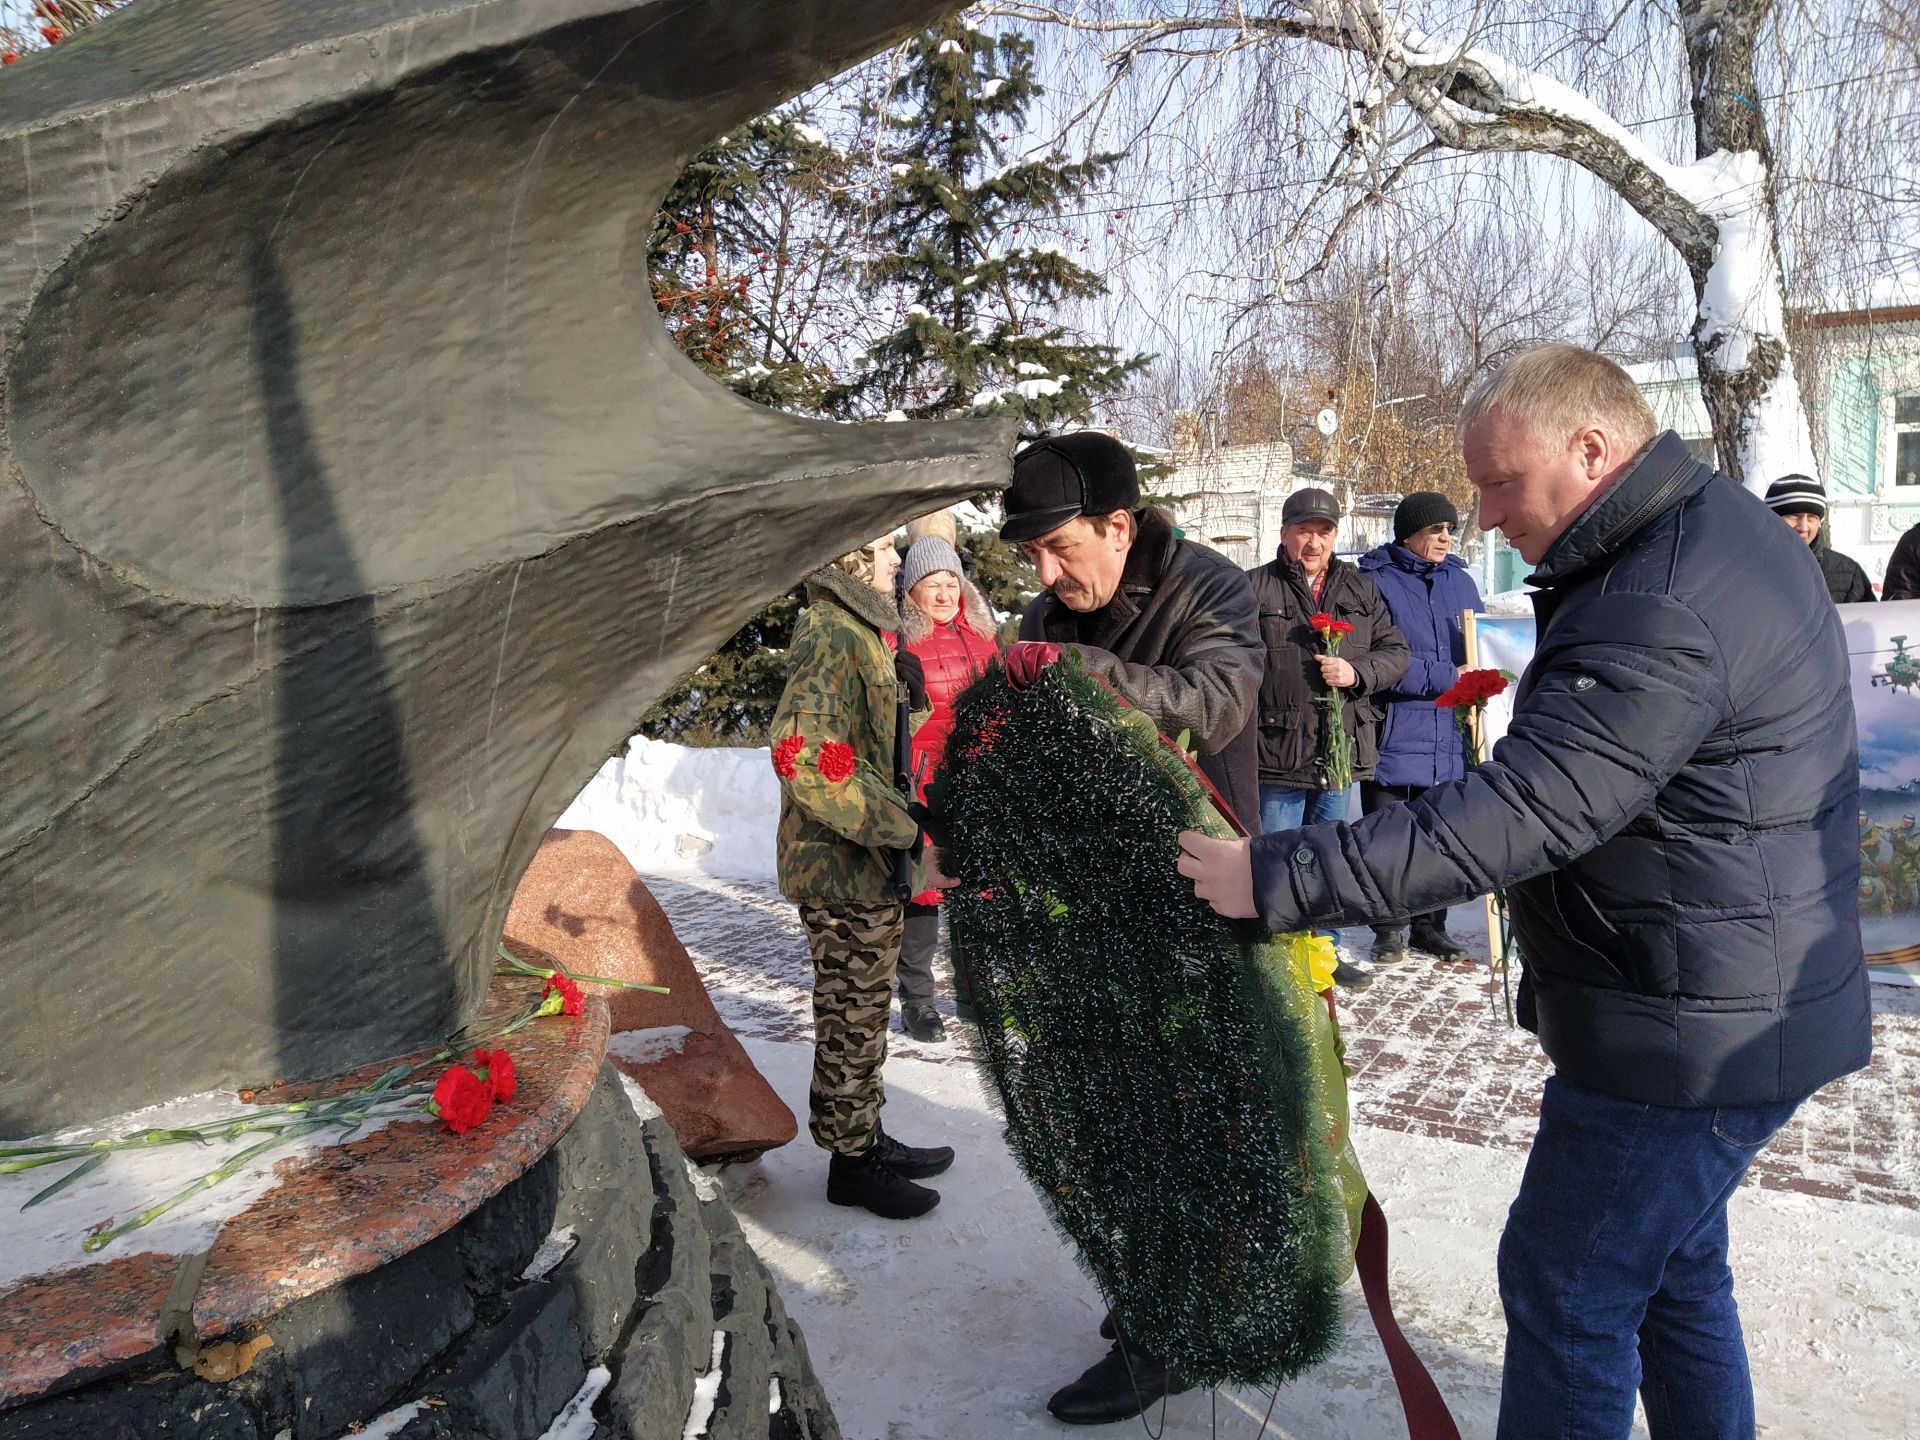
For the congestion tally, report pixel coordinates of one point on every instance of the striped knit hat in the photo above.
(1797, 495)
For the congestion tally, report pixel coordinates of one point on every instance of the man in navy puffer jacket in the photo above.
(1428, 591)
(1673, 812)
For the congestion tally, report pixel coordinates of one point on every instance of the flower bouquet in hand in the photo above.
(1336, 754)
(1467, 697)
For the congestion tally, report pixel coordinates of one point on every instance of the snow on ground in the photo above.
(962, 1323)
(674, 808)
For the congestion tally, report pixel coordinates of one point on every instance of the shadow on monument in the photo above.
(350, 874)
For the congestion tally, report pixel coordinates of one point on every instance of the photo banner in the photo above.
(1883, 649)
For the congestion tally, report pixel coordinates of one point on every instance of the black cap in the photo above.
(1310, 504)
(1421, 509)
(1085, 473)
(1797, 495)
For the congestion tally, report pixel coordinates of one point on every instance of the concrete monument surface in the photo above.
(354, 503)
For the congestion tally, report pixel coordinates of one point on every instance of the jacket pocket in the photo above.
(1577, 943)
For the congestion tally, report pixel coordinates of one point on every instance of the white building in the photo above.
(1229, 497)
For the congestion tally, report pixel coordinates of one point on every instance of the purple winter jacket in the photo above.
(1419, 743)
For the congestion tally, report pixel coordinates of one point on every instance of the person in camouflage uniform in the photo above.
(842, 823)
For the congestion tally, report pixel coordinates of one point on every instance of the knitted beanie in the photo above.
(929, 555)
(1419, 510)
(1797, 495)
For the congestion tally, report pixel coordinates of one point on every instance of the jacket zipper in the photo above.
(1652, 502)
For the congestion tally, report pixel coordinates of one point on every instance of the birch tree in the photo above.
(1373, 93)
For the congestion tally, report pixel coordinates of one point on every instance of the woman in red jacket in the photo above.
(947, 625)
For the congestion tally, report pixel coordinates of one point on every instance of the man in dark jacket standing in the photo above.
(1801, 501)
(1428, 591)
(1169, 624)
(1172, 627)
(1303, 580)
(1673, 812)
(1902, 580)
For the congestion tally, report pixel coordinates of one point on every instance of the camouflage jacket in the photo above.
(837, 838)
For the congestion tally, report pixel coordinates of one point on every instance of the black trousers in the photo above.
(917, 944)
(1375, 796)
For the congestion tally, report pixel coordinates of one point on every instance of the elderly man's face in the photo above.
(1432, 543)
(1081, 566)
(1806, 526)
(1309, 544)
(1532, 489)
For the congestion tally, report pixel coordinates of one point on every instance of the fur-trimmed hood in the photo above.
(916, 624)
(862, 599)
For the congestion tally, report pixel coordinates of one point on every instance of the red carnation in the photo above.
(9, 57)
(1322, 621)
(572, 1002)
(786, 753)
(498, 1066)
(836, 761)
(461, 1099)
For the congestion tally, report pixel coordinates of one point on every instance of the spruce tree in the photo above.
(736, 258)
(980, 300)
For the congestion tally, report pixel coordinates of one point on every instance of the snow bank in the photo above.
(677, 808)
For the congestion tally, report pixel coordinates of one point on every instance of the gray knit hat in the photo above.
(1797, 495)
(929, 554)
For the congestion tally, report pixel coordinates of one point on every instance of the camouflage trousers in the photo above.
(856, 949)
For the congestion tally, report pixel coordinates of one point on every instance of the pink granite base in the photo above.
(336, 1213)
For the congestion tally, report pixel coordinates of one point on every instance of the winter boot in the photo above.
(1126, 1382)
(1387, 945)
(916, 1162)
(1349, 976)
(922, 1023)
(1429, 934)
(875, 1185)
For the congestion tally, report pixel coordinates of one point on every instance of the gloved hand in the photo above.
(913, 675)
(1027, 658)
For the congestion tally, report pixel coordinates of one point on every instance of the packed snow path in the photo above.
(960, 1325)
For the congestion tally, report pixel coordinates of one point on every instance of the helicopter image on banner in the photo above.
(1903, 670)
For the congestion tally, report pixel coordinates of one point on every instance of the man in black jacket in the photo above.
(1673, 813)
(1304, 579)
(1172, 627)
(1801, 501)
(1169, 624)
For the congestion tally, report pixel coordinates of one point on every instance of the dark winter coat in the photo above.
(1419, 743)
(1847, 583)
(1672, 809)
(1902, 580)
(1292, 721)
(1181, 642)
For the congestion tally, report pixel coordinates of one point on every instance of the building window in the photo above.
(1906, 443)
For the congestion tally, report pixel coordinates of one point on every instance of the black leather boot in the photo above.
(1125, 1383)
(916, 1162)
(1387, 945)
(875, 1185)
(1429, 934)
(922, 1023)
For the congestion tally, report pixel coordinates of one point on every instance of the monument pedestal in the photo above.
(474, 1280)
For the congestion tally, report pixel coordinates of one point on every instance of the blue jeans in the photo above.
(1288, 807)
(1613, 1271)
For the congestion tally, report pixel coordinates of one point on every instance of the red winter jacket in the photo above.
(953, 656)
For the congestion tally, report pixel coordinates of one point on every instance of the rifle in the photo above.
(907, 668)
